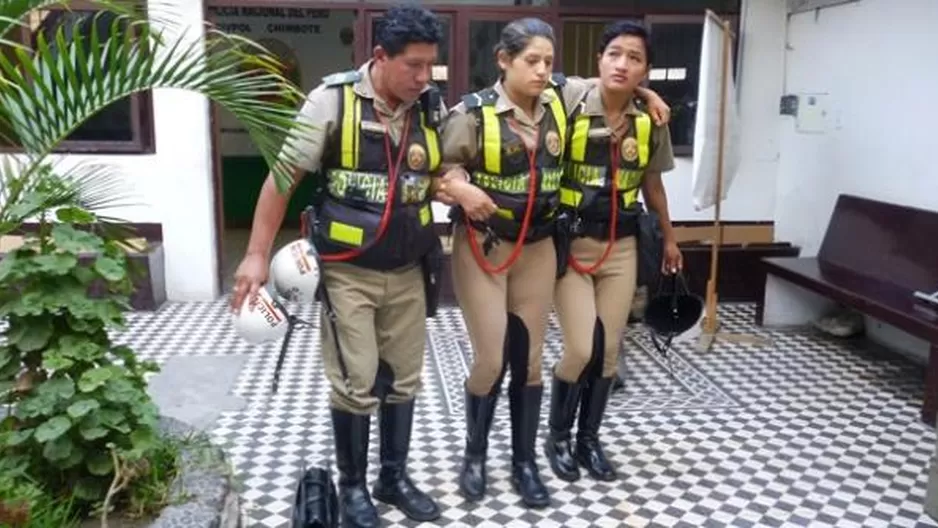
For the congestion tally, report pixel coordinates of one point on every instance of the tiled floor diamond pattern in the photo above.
(805, 432)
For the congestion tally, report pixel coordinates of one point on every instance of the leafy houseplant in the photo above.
(75, 417)
(80, 402)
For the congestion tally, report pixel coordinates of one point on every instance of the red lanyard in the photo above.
(525, 224)
(614, 154)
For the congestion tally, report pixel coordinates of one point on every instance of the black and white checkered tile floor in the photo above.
(807, 431)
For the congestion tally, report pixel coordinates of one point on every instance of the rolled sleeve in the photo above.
(318, 118)
(575, 90)
(662, 157)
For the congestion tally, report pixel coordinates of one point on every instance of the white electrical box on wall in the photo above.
(796, 6)
(813, 113)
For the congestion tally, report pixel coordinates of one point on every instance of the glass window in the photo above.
(483, 36)
(675, 74)
(120, 127)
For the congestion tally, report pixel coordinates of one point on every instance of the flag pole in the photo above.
(711, 323)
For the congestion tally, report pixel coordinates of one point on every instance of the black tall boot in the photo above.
(589, 453)
(525, 402)
(480, 410)
(394, 485)
(564, 399)
(351, 453)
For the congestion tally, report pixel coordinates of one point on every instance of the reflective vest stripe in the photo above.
(643, 136)
(492, 134)
(433, 144)
(572, 198)
(560, 116)
(492, 140)
(581, 128)
(351, 117)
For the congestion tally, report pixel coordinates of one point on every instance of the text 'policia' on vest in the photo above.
(586, 188)
(356, 220)
(503, 169)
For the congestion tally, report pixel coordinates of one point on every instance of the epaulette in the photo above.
(484, 97)
(346, 77)
(558, 79)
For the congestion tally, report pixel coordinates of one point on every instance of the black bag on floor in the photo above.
(316, 502)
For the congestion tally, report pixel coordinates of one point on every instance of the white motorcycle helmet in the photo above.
(264, 321)
(295, 271)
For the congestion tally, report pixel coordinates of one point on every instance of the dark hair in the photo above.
(518, 34)
(625, 27)
(407, 24)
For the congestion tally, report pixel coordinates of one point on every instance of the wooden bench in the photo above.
(877, 258)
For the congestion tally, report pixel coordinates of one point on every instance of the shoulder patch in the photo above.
(558, 79)
(485, 97)
(347, 77)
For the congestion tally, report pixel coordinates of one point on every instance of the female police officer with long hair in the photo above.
(510, 140)
(613, 151)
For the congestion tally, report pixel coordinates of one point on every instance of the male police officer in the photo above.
(377, 147)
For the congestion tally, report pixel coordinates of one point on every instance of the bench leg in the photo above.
(930, 401)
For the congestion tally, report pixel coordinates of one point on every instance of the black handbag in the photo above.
(673, 310)
(316, 502)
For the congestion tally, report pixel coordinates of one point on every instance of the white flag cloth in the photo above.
(707, 125)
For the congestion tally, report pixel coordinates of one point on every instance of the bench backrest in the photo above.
(884, 242)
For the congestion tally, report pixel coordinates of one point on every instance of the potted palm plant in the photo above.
(77, 427)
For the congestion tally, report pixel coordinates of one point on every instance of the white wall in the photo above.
(873, 67)
(174, 185)
(875, 59)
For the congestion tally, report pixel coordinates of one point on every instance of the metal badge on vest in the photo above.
(376, 211)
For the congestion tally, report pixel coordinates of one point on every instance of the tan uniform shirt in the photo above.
(662, 155)
(460, 135)
(321, 112)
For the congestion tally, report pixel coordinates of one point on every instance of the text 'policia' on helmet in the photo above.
(261, 319)
(295, 275)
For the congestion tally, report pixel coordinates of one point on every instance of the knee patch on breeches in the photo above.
(517, 349)
(384, 381)
(594, 368)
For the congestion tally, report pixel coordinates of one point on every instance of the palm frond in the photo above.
(97, 187)
(30, 188)
(51, 92)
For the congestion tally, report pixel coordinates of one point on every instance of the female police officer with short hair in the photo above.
(614, 150)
